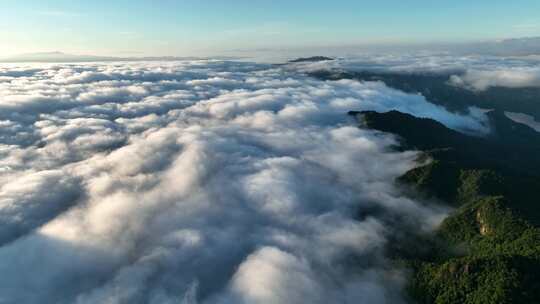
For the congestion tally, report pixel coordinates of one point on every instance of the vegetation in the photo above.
(488, 249)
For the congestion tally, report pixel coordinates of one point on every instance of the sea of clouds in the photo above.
(201, 182)
(474, 72)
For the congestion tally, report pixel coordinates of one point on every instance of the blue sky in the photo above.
(203, 27)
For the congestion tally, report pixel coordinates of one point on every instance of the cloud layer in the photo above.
(480, 80)
(472, 72)
(200, 182)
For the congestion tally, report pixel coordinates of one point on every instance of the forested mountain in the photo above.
(488, 249)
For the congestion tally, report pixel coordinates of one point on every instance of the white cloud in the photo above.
(480, 80)
(32, 199)
(525, 119)
(200, 181)
(475, 72)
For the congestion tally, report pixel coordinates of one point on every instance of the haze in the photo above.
(205, 28)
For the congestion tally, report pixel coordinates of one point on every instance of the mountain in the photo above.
(511, 146)
(311, 59)
(488, 249)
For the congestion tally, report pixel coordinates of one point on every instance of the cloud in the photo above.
(32, 200)
(473, 72)
(480, 80)
(524, 119)
(201, 182)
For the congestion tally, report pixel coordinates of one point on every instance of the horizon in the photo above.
(524, 46)
(204, 28)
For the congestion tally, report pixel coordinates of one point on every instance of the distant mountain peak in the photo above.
(311, 59)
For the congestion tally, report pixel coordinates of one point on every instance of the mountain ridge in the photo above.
(488, 249)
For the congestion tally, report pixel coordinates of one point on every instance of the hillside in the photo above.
(488, 249)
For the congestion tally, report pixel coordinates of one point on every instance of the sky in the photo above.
(203, 27)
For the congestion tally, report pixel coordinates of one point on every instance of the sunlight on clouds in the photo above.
(200, 181)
